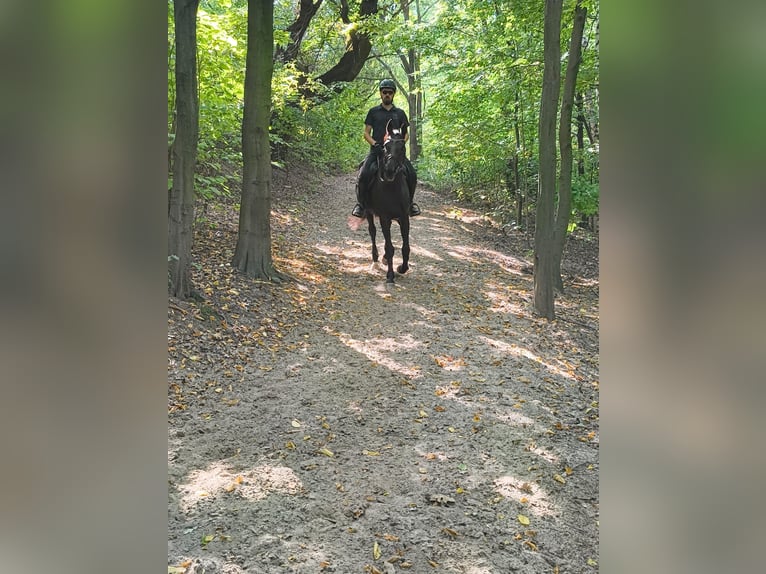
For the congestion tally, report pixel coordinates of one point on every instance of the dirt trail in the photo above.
(336, 425)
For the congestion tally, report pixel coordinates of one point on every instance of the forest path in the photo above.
(334, 424)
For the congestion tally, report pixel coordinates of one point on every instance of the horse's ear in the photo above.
(388, 127)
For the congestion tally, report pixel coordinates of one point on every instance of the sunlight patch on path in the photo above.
(507, 263)
(516, 351)
(376, 349)
(503, 302)
(536, 499)
(418, 250)
(254, 484)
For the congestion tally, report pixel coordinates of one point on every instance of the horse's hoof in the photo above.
(401, 270)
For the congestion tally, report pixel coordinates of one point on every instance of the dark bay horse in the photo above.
(389, 200)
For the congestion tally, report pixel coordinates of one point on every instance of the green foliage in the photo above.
(481, 80)
(584, 196)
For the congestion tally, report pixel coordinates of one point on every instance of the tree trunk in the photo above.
(411, 65)
(253, 253)
(544, 220)
(517, 161)
(580, 135)
(181, 200)
(564, 209)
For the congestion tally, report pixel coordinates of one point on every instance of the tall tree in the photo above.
(253, 253)
(184, 152)
(411, 64)
(544, 221)
(564, 207)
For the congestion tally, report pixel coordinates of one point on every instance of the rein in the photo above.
(387, 156)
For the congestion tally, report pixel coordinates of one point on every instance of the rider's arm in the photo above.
(368, 134)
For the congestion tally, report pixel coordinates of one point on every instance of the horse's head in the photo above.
(392, 161)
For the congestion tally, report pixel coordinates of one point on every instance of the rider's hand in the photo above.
(377, 148)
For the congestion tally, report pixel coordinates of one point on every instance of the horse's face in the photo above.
(393, 155)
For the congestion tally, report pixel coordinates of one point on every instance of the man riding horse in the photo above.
(375, 125)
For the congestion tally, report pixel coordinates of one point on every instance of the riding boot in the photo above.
(412, 181)
(358, 210)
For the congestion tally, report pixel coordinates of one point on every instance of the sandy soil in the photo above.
(334, 424)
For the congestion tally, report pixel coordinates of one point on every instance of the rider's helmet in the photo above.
(387, 84)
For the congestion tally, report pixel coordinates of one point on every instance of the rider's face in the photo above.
(387, 96)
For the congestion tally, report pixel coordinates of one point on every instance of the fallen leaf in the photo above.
(176, 570)
(559, 478)
(371, 452)
(290, 445)
(326, 452)
(433, 564)
(523, 519)
(523, 500)
(439, 409)
(207, 539)
(451, 429)
(391, 537)
(568, 471)
(295, 424)
(449, 532)
(531, 544)
(376, 551)
(592, 562)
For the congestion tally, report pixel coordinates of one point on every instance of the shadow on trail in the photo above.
(408, 426)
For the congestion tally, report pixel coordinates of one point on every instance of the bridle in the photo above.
(391, 136)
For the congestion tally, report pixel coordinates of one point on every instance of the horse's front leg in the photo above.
(385, 225)
(404, 227)
(373, 233)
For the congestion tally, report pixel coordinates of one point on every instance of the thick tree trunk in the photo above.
(184, 151)
(544, 220)
(253, 253)
(565, 143)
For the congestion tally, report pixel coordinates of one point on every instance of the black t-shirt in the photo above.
(378, 117)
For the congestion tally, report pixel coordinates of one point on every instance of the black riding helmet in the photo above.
(387, 84)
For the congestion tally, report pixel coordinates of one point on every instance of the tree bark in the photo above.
(564, 208)
(184, 151)
(544, 220)
(253, 252)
